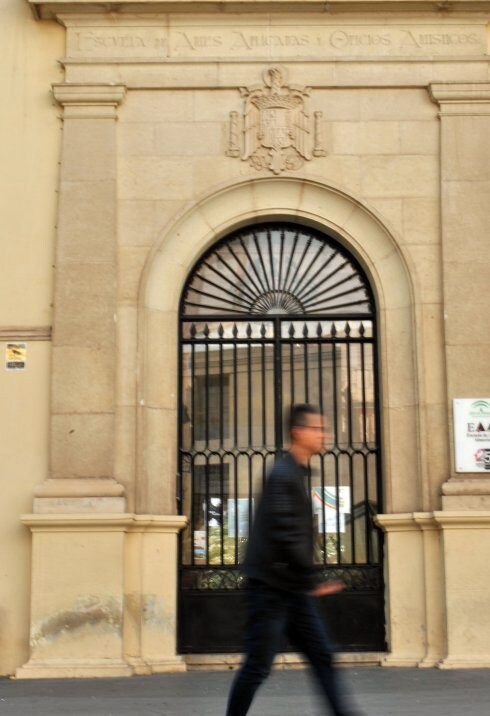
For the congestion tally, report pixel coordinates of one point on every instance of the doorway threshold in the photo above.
(224, 662)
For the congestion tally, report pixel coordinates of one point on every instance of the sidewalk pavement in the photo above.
(380, 691)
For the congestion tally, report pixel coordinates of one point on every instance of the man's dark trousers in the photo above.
(274, 613)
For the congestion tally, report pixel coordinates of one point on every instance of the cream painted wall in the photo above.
(29, 148)
(29, 140)
(23, 464)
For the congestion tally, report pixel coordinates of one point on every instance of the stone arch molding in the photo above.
(183, 242)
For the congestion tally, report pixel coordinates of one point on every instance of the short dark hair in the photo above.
(298, 413)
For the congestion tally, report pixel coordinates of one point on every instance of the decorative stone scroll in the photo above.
(276, 131)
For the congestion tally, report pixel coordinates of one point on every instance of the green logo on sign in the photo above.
(480, 407)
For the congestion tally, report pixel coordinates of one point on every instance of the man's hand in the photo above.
(321, 590)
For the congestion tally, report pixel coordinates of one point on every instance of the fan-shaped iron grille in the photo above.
(277, 269)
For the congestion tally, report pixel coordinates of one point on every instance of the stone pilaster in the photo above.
(84, 330)
(405, 589)
(464, 522)
(150, 594)
(464, 110)
(435, 634)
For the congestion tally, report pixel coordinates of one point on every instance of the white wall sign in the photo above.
(472, 434)
(332, 504)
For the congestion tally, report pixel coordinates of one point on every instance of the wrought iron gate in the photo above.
(277, 314)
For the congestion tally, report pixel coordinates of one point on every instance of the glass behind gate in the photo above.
(273, 315)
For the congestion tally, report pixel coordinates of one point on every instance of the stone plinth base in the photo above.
(399, 661)
(221, 662)
(466, 552)
(172, 665)
(437, 588)
(465, 662)
(104, 595)
(66, 669)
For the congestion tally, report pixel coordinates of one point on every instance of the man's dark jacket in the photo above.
(280, 547)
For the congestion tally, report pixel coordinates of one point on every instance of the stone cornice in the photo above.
(402, 522)
(478, 486)
(51, 9)
(426, 521)
(461, 98)
(28, 333)
(82, 101)
(463, 519)
(124, 522)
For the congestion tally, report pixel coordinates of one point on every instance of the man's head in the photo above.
(306, 429)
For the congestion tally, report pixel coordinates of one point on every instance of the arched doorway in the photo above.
(272, 314)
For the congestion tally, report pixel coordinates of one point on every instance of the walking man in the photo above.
(282, 580)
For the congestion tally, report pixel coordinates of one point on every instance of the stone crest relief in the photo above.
(275, 131)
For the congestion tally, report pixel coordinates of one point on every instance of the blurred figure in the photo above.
(282, 579)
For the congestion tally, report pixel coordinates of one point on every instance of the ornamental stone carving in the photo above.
(276, 131)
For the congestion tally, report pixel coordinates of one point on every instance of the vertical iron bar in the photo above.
(235, 397)
(363, 394)
(250, 492)
(364, 456)
(337, 492)
(306, 369)
(193, 510)
(335, 393)
(249, 392)
(336, 436)
(193, 442)
(264, 424)
(366, 509)
(352, 503)
(349, 394)
(193, 393)
(221, 441)
(291, 371)
(222, 510)
(278, 403)
(206, 393)
(322, 457)
(221, 397)
(324, 514)
(206, 511)
(235, 457)
(350, 444)
(320, 378)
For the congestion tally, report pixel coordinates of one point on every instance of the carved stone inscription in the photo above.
(319, 41)
(117, 42)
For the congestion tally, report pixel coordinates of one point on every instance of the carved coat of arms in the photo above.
(276, 131)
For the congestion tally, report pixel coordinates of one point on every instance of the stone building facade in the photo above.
(138, 135)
